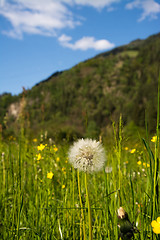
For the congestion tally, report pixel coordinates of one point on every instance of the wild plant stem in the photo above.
(89, 209)
(82, 213)
(156, 156)
(73, 207)
(119, 157)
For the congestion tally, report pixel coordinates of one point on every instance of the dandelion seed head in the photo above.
(87, 155)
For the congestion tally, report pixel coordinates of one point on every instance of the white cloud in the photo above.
(37, 17)
(85, 43)
(150, 8)
(48, 17)
(43, 17)
(64, 38)
(96, 3)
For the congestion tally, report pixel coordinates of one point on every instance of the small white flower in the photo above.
(87, 155)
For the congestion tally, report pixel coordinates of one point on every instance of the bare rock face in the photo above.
(16, 109)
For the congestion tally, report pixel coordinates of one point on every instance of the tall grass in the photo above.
(34, 206)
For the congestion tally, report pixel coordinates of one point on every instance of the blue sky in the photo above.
(40, 37)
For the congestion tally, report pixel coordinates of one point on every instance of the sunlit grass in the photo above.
(44, 197)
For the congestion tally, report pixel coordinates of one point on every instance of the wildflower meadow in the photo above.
(74, 191)
(85, 189)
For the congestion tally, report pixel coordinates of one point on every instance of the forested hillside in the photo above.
(85, 99)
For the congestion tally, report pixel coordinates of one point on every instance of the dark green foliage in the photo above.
(124, 80)
(127, 229)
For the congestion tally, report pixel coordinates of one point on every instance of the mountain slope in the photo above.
(86, 98)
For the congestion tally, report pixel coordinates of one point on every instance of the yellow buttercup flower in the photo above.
(139, 162)
(55, 148)
(146, 164)
(40, 147)
(50, 175)
(39, 157)
(57, 159)
(133, 150)
(154, 139)
(63, 186)
(156, 225)
(126, 148)
(35, 140)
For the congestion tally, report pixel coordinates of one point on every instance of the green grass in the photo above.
(130, 53)
(36, 207)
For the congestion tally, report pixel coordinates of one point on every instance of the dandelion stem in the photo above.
(82, 213)
(89, 209)
(73, 206)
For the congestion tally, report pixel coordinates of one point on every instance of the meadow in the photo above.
(43, 197)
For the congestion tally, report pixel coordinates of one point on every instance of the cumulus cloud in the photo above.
(48, 17)
(37, 17)
(85, 43)
(43, 17)
(150, 8)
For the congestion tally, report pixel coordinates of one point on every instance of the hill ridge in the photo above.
(123, 81)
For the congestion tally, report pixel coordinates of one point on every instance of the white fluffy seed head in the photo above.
(87, 155)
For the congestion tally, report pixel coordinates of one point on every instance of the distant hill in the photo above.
(85, 99)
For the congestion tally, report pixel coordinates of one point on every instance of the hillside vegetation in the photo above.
(87, 98)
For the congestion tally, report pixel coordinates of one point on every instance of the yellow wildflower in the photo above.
(57, 159)
(140, 205)
(63, 169)
(55, 148)
(154, 139)
(39, 157)
(126, 148)
(40, 147)
(50, 175)
(11, 138)
(139, 162)
(133, 150)
(156, 225)
(144, 164)
(63, 186)
(35, 140)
